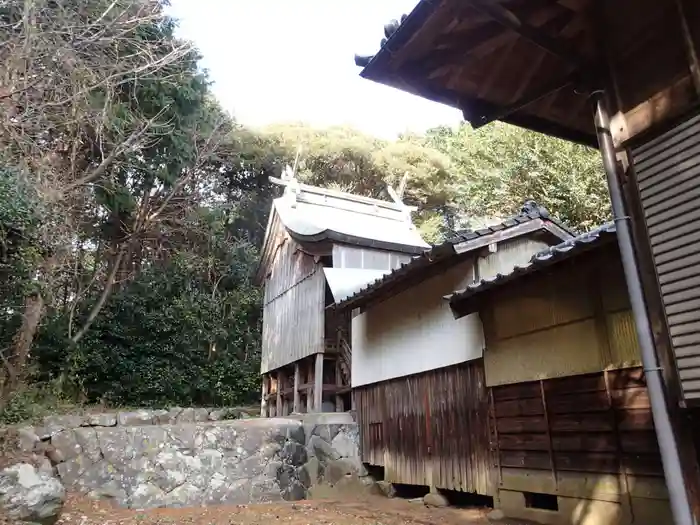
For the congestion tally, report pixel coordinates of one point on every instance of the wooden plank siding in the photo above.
(293, 311)
(429, 429)
(569, 407)
(597, 423)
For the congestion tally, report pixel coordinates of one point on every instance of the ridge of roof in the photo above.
(530, 211)
(350, 197)
(579, 244)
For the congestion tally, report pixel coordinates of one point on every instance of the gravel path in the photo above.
(366, 511)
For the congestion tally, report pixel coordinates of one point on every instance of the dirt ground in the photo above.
(372, 510)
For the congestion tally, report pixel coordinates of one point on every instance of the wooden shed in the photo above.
(417, 372)
(571, 429)
(555, 67)
(320, 246)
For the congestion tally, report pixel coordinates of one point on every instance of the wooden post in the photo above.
(296, 407)
(318, 384)
(263, 401)
(339, 405)
(308, 375)
(278, 407)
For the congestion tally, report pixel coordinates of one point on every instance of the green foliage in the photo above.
(500, 166)
(32, 402)
(184, 332)
(20, 248)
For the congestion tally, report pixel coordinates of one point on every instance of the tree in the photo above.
(108, 115)
(184, 331)
(500, 166)
(347, 160)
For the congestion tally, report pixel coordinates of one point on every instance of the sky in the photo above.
(293, 60)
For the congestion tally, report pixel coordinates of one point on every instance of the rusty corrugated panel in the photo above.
(668, 174)
(431, 428)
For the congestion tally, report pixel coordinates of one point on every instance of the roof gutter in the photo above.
(670, 456)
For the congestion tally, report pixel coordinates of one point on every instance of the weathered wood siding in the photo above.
(429, 428)
(586, 437)
(575, 319)
(293, 312)
(569, 404)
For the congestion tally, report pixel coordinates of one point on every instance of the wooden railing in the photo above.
(345, 355)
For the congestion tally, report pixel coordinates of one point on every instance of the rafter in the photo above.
(528, 99)
(538, 37)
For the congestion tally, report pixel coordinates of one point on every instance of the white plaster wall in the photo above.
(516, 252)
(415, 331)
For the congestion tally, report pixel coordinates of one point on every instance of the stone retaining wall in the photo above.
(147, 459)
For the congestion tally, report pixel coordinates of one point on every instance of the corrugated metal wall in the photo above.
(430, 428)
(401, 335)
(293, 312)
(668, 174)
(367, 258)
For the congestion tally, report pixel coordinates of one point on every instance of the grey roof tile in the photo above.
(530, 211)
(581, 243)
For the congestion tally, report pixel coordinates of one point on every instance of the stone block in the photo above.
(386, 489)
(435, 499)
(101, 420)
(27, 439)
(347, 442)
(28, 495)
(135, 418)
(321, 449)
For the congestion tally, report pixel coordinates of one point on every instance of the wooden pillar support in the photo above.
(318, 384)
(297, 402)
(263, 400)
(308, 379)
(278, 405)
(339, 404)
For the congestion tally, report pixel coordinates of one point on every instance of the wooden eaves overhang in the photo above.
(451, 252)
(534, 63)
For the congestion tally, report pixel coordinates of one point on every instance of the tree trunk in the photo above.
(106, 291)
(15, 365)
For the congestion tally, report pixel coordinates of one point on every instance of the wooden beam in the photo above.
(693, 62)
(339, 405)
(531, 98)
(263, 399)
(510, 20)
(278, 404)
(296, 407)
(318, 384)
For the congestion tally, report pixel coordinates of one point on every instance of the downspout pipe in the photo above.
(670, 457)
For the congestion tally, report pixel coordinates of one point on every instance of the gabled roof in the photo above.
(534, 64)
(314, 215)
(531, 219)
(595, 238)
